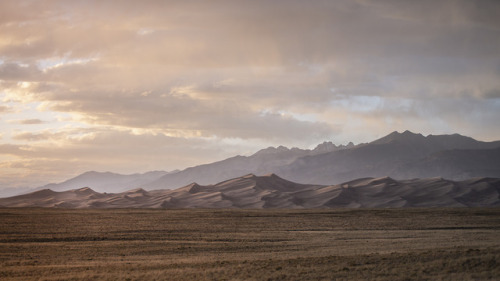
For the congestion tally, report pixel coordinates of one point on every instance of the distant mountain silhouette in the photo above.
(106, 182)
(398, 155)
(271, 191)
(265, 161)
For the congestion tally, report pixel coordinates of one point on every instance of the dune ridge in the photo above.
(271, 191)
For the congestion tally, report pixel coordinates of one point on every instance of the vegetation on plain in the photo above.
(320, 244)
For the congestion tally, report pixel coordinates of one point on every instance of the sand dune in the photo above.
(271, 191)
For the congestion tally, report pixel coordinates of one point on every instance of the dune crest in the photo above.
(271, 191)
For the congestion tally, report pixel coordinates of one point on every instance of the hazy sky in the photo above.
(132, 86)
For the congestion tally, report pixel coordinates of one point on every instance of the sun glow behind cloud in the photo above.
(51, 63)
(133, 86)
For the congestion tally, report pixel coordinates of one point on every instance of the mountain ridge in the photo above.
(399, 155)
(106, 181)
(262, 162)
(386, 156)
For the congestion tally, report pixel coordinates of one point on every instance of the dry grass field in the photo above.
(344, 244)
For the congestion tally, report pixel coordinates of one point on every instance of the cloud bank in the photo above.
(133, 86)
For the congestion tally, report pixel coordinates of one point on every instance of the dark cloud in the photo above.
(18, 72)
(492, 94)
(30, 122)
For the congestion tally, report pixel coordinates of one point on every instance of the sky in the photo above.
(135, 86)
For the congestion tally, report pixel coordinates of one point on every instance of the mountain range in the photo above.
(398, 155)
(401, 156)
(271, 191)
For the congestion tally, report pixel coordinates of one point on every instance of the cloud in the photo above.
(83, 149)
(12, 149)
(27, 121)
(29, 136)
(4, 109)
(18, 72)
(492, 94)
(186, 74)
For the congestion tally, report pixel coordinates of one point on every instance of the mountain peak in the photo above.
(272, 150)
(326, 146)
(404, 133)
(409, 133)
(397, 136)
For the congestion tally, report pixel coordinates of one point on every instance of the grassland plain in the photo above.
(321, 244)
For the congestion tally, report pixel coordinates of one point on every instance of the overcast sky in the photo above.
(133, 86)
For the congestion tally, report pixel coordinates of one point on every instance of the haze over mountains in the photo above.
(271, 191)
(398, 155)
(106, 182)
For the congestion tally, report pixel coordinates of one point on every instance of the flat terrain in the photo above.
(326, 244)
